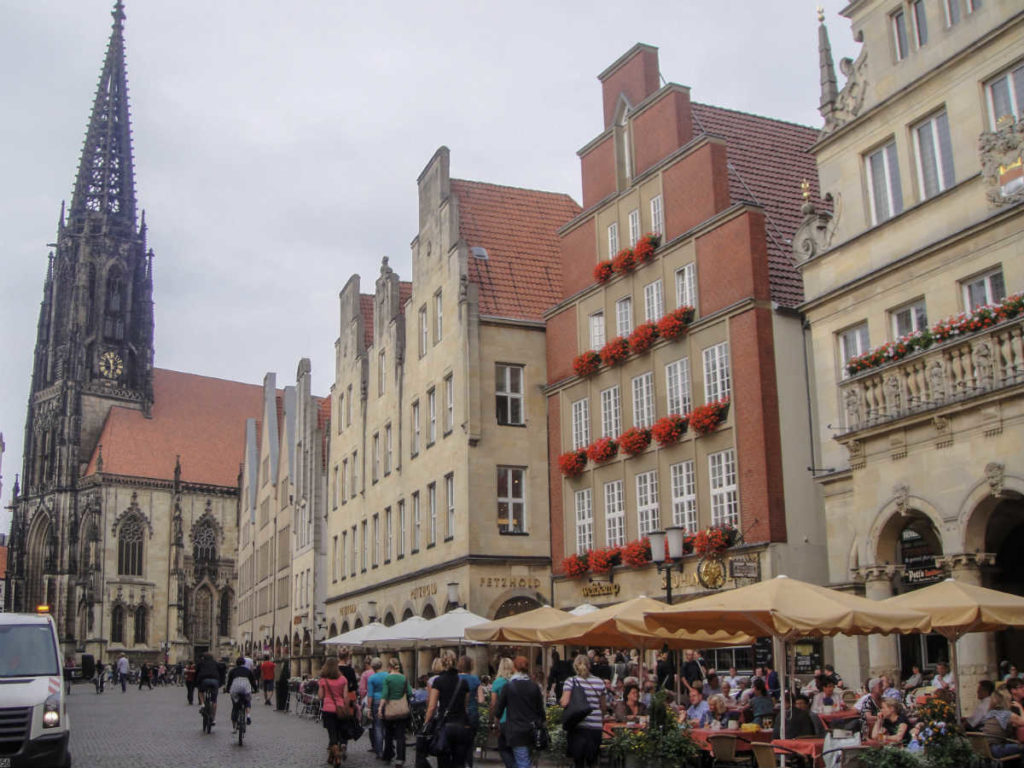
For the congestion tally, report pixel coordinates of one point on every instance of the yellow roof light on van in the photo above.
(42, 609)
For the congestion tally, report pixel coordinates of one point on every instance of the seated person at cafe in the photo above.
(1015, 691)
(812, 686)
(830, 671)
(888, 689)
(731, 677)
(891, 726)
(985, 690)
(630, 707)
(915, 680)
(998, 727)
(800, 721)
(743, 691)
(871, 702)
(943, 677)
(711, 686)
(648, 693)
(728, 692)
(826, 700)
(761, 704)
(699, 714)
(718, 707)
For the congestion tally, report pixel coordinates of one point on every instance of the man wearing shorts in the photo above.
(209, 679)
(267, 678)
(241, 683)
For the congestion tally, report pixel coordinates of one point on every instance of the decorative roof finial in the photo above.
(118, 13)
(821, 15)
(829, 89)
(805, 189)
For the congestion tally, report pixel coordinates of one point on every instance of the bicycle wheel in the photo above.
(241, 727)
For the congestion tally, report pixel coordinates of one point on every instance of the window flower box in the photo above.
(674, 324)
(603, 271)
(624, 261)
(643, 336)
(615, 352)
(602, 450)
(706, 418)
(715, 540)
(603, 560)
(637, 554)
(634, 440)
(587, 363)
(669, 430)
(645, 247)
(572, 463)
(575, 565)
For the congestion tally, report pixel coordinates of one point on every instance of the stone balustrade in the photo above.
(950, 372)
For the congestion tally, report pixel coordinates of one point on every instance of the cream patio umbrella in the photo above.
(785, 609)
(957, 608)
(364, 635)
(522, 628)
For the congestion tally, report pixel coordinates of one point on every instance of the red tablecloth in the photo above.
(843, 714)
(611, 725)
(812, 748)
(743, 738)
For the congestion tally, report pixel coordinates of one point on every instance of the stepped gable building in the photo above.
(438, 472)
(918, 352)
(124, 522)
(701, 315)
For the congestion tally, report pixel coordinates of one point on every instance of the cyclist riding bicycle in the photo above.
(209, 677)
(241, 683)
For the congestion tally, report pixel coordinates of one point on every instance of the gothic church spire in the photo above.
(829, 90)
(105, 183)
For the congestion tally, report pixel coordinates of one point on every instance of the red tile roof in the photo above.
(521, 276)
(199, 418)
(404, 294)
(768, 159)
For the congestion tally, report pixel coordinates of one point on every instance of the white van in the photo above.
(34, 726)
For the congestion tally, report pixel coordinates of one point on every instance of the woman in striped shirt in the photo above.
(585, 739)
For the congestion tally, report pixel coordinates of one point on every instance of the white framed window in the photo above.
(920, 22)
(909, 318)
(354, 487)
(852, 342)
(511, 500)
(984, 289)
(376, 540)
(381, 372)
(432, 509)
(934, 151)
(643, 400)
(634, 226)
(376, 456)
(611, 412)
(581, 423)
(388, 445)
(402, 530)
(717, 377)
(344, 553)
(657, 216)
(341, 411)
(334, 559)
(686, 285)
(336, 487)
(508, 394)
(449, 500)
(951, 9)
(613, 239)
(684, 495)
(344, 480)
(901, 45)
(596, 324)
(417, 522)
(654, 301)
(438, 317)
(423, 331)
(677, 387)
(584, 521)
(725, 500)
(647, 502)
(624, 316)
(884, 190)
(348, 407)
(614, 514)
(389, 534)
(354, 560)
(449, 403)
(1006, 95)
(365, 546)
(414, 445)
(431, 416)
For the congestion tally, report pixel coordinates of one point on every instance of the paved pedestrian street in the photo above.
(153, 729)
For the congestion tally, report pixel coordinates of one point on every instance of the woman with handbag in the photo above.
(522, 700)
(505, 671)
(585, 734)
(394, 712)
(447, 703)
(332, 690)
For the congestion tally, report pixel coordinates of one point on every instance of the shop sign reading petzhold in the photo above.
(510, 582)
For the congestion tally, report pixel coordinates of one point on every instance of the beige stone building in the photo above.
(922, 439)
(438, 470)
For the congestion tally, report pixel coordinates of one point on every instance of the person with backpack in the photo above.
(584, 745)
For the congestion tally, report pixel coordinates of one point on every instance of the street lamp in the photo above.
(675, 536)
(372, 605)
(453, 596)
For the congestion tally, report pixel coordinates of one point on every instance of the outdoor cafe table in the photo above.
(809, 748)
(743, 738)
(610, 726)
(839, 714)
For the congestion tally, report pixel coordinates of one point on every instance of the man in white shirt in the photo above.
(985, 688)
(943, 677)
(122, 672)
(730, 678)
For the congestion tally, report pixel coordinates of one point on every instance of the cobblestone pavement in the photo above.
(154, 729)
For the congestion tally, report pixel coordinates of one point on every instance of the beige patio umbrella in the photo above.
(785, 609)
(524, 628)
(957, 608)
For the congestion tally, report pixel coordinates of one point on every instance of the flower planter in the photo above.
(587, 363)
(602, 450)
(708, 417)
(642, 337)
(615, 352)
(572, 463)
(669, 430)
(634, 440)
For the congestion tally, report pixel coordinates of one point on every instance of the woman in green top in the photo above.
(505, 671)
(396, 687)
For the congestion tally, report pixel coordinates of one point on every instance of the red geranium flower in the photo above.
(603, 560)
(706, 418)
(643, 336)
(675, 323)
(573, 462)
(615, 351)
(575, 565)
(603, 271)
(634, 440)
(644, 248)
(637, 554)
(602, 450)
(668, 430)
(624, 261)
(586, 363)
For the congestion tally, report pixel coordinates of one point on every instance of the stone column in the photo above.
(976, 651)
(883, 650)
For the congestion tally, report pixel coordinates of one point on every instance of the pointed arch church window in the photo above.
(129, 547)
(117, 625)
(204, 544)
(140, 625)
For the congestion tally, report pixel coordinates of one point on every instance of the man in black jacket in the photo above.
(524, 702)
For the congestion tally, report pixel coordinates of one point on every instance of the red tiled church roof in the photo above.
(521, 276)
(199, 418)
(768, 160)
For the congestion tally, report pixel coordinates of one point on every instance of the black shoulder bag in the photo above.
(578, 709)
(438, 744)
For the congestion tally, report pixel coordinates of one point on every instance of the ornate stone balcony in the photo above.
(954, 371)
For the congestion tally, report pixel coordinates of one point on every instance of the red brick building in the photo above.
(721, 190)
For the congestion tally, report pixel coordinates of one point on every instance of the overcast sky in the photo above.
(277, 144)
